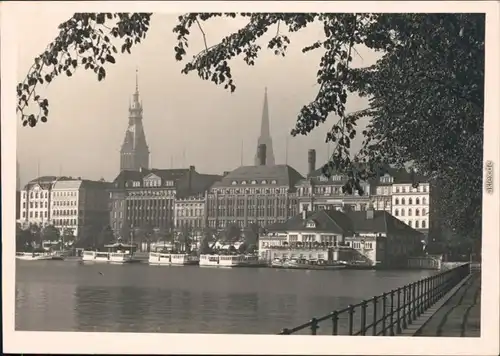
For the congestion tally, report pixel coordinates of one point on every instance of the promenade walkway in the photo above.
(459, 316)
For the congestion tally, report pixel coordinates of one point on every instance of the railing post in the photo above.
(363, 318)
(351, 319)
(392, 313)
(398, 312)
(335, 322)
(417, 300)
(404, 307)
(422, 297)
(374, 330)
(314, 326)
(414, 307)
(384, 312)
(285, 331)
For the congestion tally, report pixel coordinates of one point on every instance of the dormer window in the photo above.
(136, 184)
(337, 178)
(273, 181)
(264, 182)
(254, 182)
(234, 182)
(311, 224)
(323, 178)
(244, 182)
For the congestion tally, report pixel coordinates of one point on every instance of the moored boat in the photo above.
(209, 260)
(117, 253)
(183, 259)
(34, 256)
(231, 261)
(159, 258)
(253, 261)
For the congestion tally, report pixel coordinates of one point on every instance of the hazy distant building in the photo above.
(134, 153)
(34, 207)
(318, 191)
(79, 205)
(146, 198)
(258, 194)
(265, 136)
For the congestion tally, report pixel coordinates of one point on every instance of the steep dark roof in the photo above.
(346, 223)
(198, 185)
(165, 174)
(283, 174)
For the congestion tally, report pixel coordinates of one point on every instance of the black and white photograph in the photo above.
(246, 177)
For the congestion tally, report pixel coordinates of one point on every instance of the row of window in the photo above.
(36, 215)
(417, 224)
(409, 189)
(45, 195)
(410, 212)
(244, 182)
(250, 191)
(410, 201)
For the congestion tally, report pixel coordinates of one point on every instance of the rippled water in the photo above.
(70, 296)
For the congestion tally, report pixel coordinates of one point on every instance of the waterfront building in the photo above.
(373, 237)
(146, 198)
(34, 206)
(318, 191)
(265, 136)
(134, 153)
(260, 194)
(77, 204)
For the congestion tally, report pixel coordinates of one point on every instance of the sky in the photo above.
(187, 120)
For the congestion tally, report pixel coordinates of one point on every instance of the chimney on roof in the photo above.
(225, 173)
(304, 212)
(370, 212)
(262, 154)
(190, 177)
(311, 160)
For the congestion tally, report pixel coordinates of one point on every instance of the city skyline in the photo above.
(88, 118)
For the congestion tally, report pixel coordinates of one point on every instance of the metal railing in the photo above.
(390, 313)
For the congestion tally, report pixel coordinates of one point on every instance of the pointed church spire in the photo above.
(265, 134)
(134, 153)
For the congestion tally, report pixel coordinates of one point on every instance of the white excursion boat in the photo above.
(231, 260)
(209, 260)
(117, 253)
(183, 259)
(159, 258)
(253, 261)
(34, 256)
(174, 259)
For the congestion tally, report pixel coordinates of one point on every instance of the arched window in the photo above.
(416, 224)
(403, 202)
(417, 201)
(409, 212)
(417, 212)
(397, 201)
(423, 212)
(409, 223)
(396, 212)
(424, 201)
(423, 224)
(402, 212)
(410, 201)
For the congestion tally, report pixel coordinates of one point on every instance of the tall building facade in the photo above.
(65, 202)
(145, 199)
(260, 194)
(78, 205)
(265, 136)
(134, 153)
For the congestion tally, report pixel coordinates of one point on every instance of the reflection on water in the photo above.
(69, 296)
